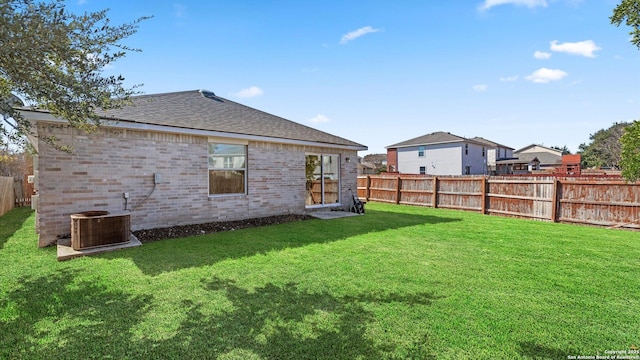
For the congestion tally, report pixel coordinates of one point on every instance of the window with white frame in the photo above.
(423, 170)
(421, 151)
(227, 169)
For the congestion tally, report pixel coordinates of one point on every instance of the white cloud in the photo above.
(544, 75)
(541, 55)
(319, 119)
(250, 92)
(582, 48)
(488, 4)
(357, 33)
(480, 87)
(509, 78)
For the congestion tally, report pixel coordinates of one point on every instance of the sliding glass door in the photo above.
(323, 179)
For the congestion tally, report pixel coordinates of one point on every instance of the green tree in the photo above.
(630, 162)
(54, 59)
(311, 163)
(629, 12)
(605, 149)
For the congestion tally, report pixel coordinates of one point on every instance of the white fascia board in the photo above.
(123, 124)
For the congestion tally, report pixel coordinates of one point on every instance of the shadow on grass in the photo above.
(532, 350)
(175, 254)
(284, 322)
(11, 222)
(59, 317)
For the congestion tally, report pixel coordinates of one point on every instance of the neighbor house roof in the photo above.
(529, 147)
(545, 158)
(204, 111)
(438, 137)
(490, 143)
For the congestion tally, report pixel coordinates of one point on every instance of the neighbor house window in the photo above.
(467, 170)
(466, 149)
(423, 170)
(227, 169)
(421, 151)
(483, 151)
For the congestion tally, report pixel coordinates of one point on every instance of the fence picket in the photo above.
(6, 194)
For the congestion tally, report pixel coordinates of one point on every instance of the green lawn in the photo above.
(400, 282)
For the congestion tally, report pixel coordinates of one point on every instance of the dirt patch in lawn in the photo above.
(150, 235)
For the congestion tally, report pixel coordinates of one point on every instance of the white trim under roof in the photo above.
(123, 124)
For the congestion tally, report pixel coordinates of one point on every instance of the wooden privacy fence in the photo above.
(583, 200)
(6, 194)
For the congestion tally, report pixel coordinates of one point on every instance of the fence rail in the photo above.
(598, 201)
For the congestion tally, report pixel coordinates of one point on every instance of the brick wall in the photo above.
(110, 162)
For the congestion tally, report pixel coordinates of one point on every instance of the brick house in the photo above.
(443, 153)
(186, 158)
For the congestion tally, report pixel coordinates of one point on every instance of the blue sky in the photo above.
(516, 72)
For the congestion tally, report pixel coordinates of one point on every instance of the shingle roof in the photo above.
(536, 145)
(433, 138)
(545, 158)
(203, 110)
(438, 137)
(489, 142)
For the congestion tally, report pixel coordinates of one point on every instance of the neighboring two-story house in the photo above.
(443, 153)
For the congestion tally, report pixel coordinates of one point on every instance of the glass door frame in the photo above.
(323, 176)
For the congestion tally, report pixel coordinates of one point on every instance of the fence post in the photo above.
(398, 187)
(434, 199)
(484, 194)
(367, 192)
(554, 205)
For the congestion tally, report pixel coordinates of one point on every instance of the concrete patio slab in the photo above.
(328, 215)
(66, 252)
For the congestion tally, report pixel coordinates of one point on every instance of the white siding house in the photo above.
(442, 153)
(439, 159)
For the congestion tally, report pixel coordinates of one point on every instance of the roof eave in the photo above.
(39, 115)
(422, 144)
